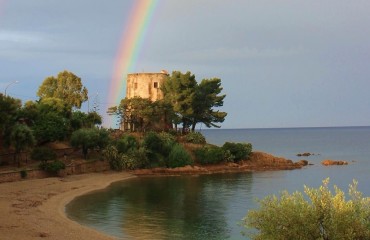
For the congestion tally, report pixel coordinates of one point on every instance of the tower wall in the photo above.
(145, 85)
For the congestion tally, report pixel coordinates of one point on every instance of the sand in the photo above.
(34, 209)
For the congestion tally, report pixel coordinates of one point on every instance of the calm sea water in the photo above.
(212, 206)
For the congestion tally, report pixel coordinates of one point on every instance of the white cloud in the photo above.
(19, 37)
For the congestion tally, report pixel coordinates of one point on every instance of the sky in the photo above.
(288, 63)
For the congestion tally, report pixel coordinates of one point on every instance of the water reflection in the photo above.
(189, 207)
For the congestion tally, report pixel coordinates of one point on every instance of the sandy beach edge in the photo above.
(34, 209)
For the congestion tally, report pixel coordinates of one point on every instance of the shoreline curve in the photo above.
(33, 209)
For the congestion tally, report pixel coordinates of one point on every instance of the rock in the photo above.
(303, 162)
(306, 154)
(329, 162)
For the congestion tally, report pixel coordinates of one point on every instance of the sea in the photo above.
(213, 206)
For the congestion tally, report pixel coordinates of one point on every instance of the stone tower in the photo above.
(144, 85)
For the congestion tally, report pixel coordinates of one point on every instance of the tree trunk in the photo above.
(193, 126)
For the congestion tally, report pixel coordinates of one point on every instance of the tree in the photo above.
(140, 113)
(179, 92)
(66, 86)
(49, 119)
(21, 138)
(193, 103)
(9, 114)
(90, 138)
(207, 97)
(322, 216)
(82, 120)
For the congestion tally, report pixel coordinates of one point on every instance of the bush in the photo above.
(152, 142)
(132, 160)
(126, 144)
(136, 159)
(179, 157)
(23, 173)
(52, 167)
(195, 137)
(318, 215)
(159, 147)
(209, 155)
(114, 158)
(167, 142)
(239, 151)
(43, 154)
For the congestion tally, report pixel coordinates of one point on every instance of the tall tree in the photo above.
(207, 97)
(66, 86)
(21, 138)
(179, 91)
(9, 114)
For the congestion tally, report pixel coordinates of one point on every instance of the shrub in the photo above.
(209, 155)
(152, 142)
(318, 215)
(136, 159)
(52, 167)
(159, 147)
(43, 154)
(132, 160)
(195, 137)
(114, 158)
(167, 142)
(23, 173)
(240, 151)
(126, 143)
(179, 157)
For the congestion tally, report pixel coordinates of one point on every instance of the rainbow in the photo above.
(132, 40)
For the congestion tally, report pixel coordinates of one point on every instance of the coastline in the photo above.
(33, 209)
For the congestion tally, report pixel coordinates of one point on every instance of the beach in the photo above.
(34, 209)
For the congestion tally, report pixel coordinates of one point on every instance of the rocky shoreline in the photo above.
(258, 161)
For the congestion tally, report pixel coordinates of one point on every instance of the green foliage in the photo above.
(43, 154)
(167, 142)
(195, 137)
(134, 159)
(239, 151)
(52, 167)
(84, 120)
(50, 127)
(90, 138)
(9, 111)
(23, 173)
(140, 113)
(207, 97)
(152, 142)
(126, 143)
(179, 92)
(21, 138)
(209, 155)
(114, 158)
(193, 103)
(179, 157)
(158, 147)
(318, 215)
(66, 86)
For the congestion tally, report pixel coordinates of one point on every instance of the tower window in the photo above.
(135, 85)
(155, 84)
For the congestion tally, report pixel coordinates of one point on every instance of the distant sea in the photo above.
(212, 206)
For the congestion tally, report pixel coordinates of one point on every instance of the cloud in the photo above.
(19, 37)
(228, 53)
